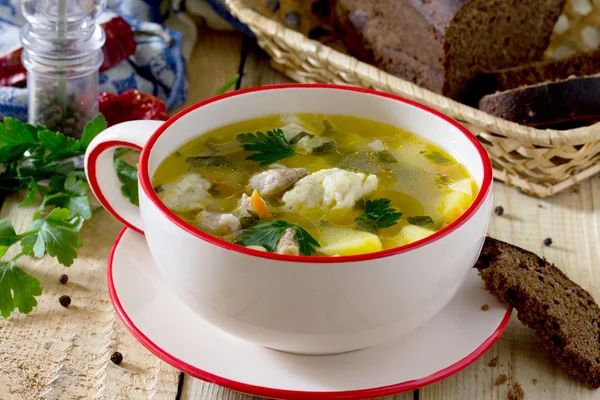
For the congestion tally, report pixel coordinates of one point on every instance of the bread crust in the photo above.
(547, 104)
(564, 316)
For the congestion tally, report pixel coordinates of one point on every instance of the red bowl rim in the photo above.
(148, 189)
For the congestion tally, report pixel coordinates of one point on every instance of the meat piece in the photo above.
(287, 243)
(330, 188)
(274, 181)
(218, 223)
(244, 208)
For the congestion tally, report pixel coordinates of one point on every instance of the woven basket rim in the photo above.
(454, 109)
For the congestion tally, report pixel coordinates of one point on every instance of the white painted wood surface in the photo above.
(57, 353)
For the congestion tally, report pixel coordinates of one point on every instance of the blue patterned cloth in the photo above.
(221, 9)
(157, 67)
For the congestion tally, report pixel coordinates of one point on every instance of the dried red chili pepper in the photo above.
(131, 105)
(12, 72)
(120, 42)
(119, 45)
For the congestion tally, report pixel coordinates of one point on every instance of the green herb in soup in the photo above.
(311, 184)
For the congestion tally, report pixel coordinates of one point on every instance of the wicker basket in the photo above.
(539, 162)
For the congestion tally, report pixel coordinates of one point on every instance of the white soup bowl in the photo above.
(299, 304)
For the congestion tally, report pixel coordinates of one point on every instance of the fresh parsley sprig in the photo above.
(377, 214)
(127, 174)
(43, 162)
(268, 232)
(267, 148)
(55, 235)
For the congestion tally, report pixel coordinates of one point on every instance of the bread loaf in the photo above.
(579, 65)
(441, 44)
(564, 316)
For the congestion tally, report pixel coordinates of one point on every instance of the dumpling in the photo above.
(189, 193)
(329, 188)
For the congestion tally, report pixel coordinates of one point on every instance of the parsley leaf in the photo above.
(437, 158)
(32, 185)
(17, 289)
(377, 214)
(55, 234)
(268, 148)
(420, 220)
(69, 193)
(75, 185)
(15, 138)
(8, 236)
(267, 234)
(91, 130)
(57, 145)
(306, 242)
(127, 174)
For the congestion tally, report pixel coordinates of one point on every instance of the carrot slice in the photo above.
(259, 205)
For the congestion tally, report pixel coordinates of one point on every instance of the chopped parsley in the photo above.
(325, 148)
(420, 220)
(436, 157)
(386, 157)
(300, 136)
(377, 214)
(208, 161)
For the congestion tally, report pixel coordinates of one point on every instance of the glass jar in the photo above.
(62, 52)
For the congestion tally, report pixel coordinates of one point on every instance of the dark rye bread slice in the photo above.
(547, 104)
(456, 39)
(581, 64)
(564, 316)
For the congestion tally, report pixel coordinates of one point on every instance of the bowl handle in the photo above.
(101, 173)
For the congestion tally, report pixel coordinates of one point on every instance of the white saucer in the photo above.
(455, 338)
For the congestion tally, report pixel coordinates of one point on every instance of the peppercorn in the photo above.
(293, 19)
(63, 279)
(499, 210)
(70, 119)
(116, 358)
(272, 5)
(547, 241)
(64, 300)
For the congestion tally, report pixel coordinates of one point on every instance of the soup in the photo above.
(310, 184)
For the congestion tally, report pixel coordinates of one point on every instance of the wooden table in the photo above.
(58, 353)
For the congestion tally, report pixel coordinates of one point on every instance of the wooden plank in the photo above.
(60, 353)
(215, 59)
(257, 70)
(572, 220)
